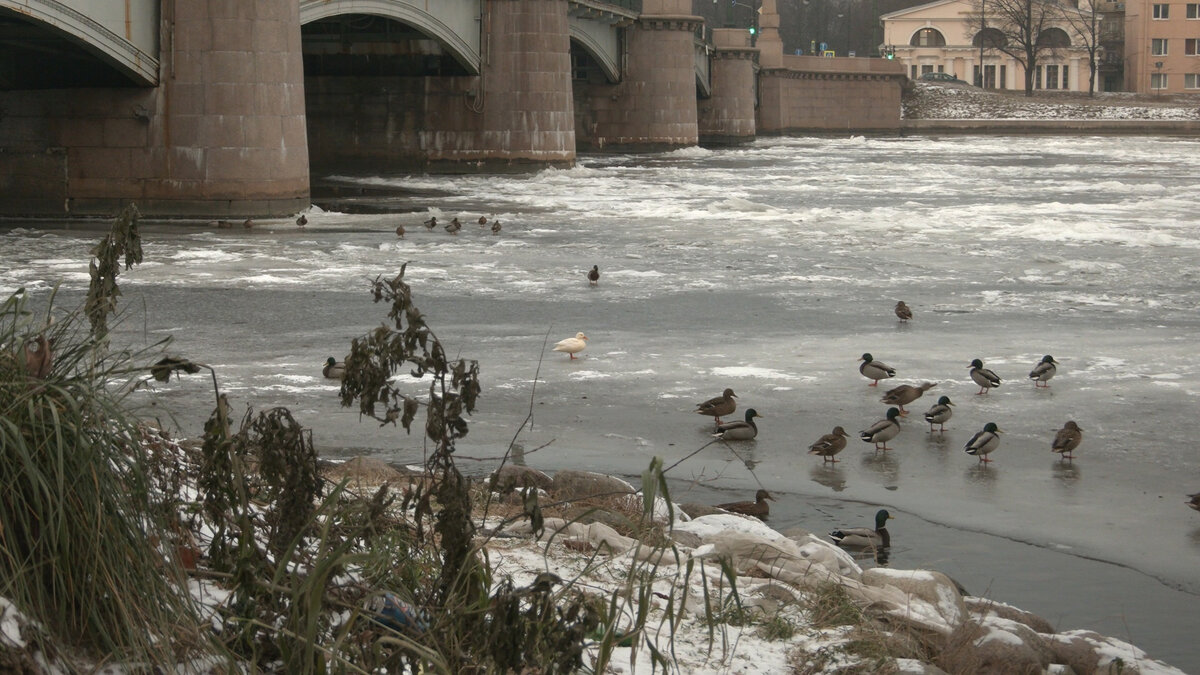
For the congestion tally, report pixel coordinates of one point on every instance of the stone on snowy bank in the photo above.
(571, 485)
(984, 607)
(512, 477)
(935, 588)
(1087, 652)
(1004, 644)
(365, 471)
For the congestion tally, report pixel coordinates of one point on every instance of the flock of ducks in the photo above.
(829, 445)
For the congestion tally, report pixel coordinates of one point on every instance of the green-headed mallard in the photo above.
(882, 431)
(718, 406)
(829, 445)
(939, 414)
(572, 346)
(983, 377)
(593, 275)
(985, 442)
(496, 227)
(431, 223)
(875, 370)
(865, 537)
(1043, 371)
(906, 393)
(902, 311)
(334, 369)
(453, 226)
(759, 508)
(1067, 439)
(739, 431)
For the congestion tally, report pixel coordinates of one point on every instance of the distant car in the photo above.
(939, 77)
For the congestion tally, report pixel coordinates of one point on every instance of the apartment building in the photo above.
(1162, 46)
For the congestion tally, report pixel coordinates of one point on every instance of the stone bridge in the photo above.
(216, 108)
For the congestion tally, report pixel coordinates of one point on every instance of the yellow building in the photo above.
(942, 37)
(1162, 46)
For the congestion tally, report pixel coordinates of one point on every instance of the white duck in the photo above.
(572, 346)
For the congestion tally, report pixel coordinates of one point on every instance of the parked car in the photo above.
(940, 77)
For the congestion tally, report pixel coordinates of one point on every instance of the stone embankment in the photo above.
(962, 108)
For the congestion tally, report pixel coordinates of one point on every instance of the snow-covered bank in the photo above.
(965, 102)
(908, 621)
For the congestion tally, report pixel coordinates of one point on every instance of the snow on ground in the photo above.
(963, 101)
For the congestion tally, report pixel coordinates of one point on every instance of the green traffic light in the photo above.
(753, 31)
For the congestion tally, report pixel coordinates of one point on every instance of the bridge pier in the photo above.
(728, 116)
(516, 113)
(222, 135)
(654, 106)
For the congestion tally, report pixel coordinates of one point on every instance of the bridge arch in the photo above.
(128, 58)
(602, 51)
(453, 23)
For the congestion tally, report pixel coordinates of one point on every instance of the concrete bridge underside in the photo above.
(224, 108)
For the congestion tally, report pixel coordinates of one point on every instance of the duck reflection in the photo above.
(831, 477)
(1066, 473)
(981, 474)
(883, 464)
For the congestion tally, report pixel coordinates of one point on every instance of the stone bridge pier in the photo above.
(654, 106)
(213, 127)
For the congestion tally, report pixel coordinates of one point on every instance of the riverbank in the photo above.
(962, 108)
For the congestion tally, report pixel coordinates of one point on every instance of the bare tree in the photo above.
(1021, 23)
(1086, 22)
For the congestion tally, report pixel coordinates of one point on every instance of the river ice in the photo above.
(770, 269)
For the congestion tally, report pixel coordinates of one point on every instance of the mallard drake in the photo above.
(882, 431)
(985, 442)
(572, 346)
(1194, 501)
(902, 311)
(829, 445)
(865, 537)
(875, 370)
(1067, 439)
(718, 406)
(334, 369)
(906, 393)
(431, 223)
(939, 414)
(759, 508)
(739, 431)
(1043, 371)
(453, 226)
(593, 275)
(983, 377)
(496, 227)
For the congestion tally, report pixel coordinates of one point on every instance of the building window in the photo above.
(1158, 47)
(1193, 10)
(1191, 46)
(914, 72)
(927, 37)
(1158, 80)
(926, 69)
(1065, 72)
(1191, 81)
(1003, 77)
(1162, 11)
(1052, 77)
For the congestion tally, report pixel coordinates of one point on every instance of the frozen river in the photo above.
(769, 269)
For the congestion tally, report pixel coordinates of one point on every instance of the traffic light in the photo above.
(752, 30)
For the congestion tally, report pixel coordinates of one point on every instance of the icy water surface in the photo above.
(769, 269)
